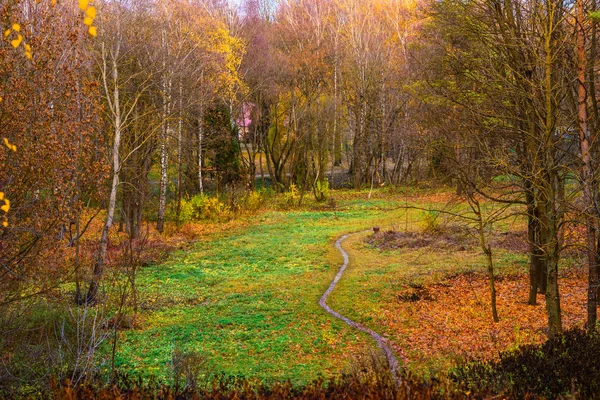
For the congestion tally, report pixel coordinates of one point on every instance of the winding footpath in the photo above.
(381, 341)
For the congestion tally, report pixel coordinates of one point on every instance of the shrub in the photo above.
(253, 201)
(203, 207)
(47, 339)
(369, 378)
(187, 365)
(214, 210)
(558, 367)
(186, 212)
(198, 204)
(430, 221)
(291, 196)
(211, 208)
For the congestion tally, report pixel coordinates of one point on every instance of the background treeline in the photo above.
(179, 109)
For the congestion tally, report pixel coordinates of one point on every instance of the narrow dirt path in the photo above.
(381, 341)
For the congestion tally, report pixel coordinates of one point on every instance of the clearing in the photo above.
(247, 300)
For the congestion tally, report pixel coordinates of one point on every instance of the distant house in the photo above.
(244, 121)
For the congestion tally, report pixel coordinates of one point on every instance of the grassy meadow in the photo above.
(245, 300)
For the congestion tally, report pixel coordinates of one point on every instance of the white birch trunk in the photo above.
(164, 151)
(200, 137)
(179, 148)
(114, 104)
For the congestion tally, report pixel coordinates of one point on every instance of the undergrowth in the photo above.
(564, 365)
(368, 378)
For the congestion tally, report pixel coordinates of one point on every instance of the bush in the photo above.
(187, 366)
(555, 368)
(199, 207)
(203, 207)
(430, 221)
(186, 212)
(212, 208)
(253, 201)
(43, 339)
(291, 196)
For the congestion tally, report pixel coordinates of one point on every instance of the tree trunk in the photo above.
(550, 246)
(114, 103)
(200, 139)
(77, 261)
(535, 254)
(552, 292)
(164, 164)
(337, 138)
(179, 149)
(586, 177)
(548, 192)
(487, 251)
(260, 163)
(164, 138)
(356, 166)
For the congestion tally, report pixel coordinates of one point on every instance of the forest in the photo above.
(299, 199)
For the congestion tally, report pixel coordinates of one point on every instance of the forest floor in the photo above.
(245, 295)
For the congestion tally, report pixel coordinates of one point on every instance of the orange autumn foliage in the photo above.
(455, 322)
(51, 108)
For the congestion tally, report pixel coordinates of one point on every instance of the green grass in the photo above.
(375, 276)
(247, 300)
